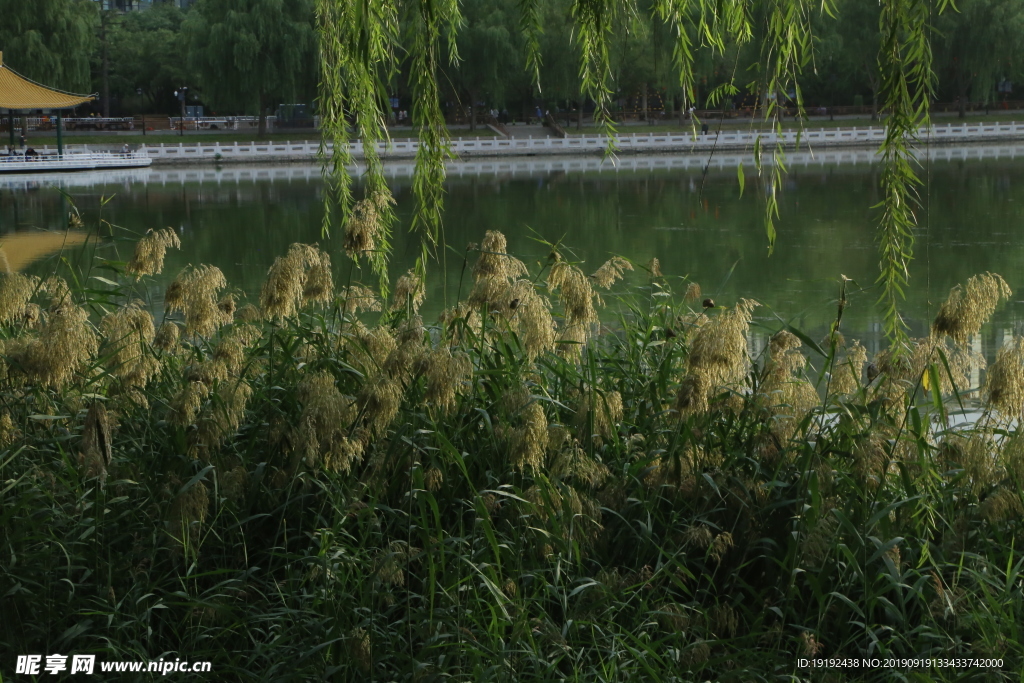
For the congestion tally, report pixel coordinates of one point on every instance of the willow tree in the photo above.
(49, 41)
(361, 41)
(249, 52)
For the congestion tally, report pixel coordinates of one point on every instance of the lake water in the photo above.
(241, 218)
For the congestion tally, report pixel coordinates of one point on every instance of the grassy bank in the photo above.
(323, 486)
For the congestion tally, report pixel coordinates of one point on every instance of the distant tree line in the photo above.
(249, 56)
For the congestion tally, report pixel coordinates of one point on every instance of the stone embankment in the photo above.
(732, 141)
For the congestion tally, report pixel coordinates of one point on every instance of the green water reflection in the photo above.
(971, 221)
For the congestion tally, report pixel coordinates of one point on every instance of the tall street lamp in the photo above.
(180, 93)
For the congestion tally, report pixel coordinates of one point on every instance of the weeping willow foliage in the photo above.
(360, 40)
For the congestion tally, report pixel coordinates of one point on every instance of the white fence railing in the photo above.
(404, 148)
(496, 167)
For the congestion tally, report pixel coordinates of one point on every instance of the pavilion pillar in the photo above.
(60, 134)
(10, 125)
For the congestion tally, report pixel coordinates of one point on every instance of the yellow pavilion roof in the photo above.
(17, 92)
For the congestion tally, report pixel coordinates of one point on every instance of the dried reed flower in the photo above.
(673, 618)
(409, 292)
(531, 317)
(809, 646)
(33, 317)
(611, 271)
(871, 459)
(528, 440)
(379, 401)
(654, 266)
(410, 351)
(693, 292)
(720, 546)
(186, 404)
(359, 648)
(166, 337)
(303, 275)
(1001, 505)
(388, 564)
(967, 309)
(460, 319)
(150, 250)
(96, 448)
(358, 298)
(494, 273)
(604, 408)
(718, 357)
(60, 293)
(433, 479)
(127, 333)
(694, 394)
(322, 430)
(223, 414)
(9, 432)
(64, 346)
(194, 294)
(230, 349)
(973, 454)
(448, 376)
(1004, 381)
(698, 536)
(698, 654)
(818, 541)
(849, 371)
(188, 513)
(724, 621)
(789, 398)
(365, 223)
(15, 291)
(233, 483)
(370, 348)
(575, 293)
(494, 261)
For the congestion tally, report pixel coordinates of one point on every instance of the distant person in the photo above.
(23, 141)
(31, 152)
(125, 149)
(704, 129)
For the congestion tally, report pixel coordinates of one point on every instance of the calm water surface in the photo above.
(240, 219)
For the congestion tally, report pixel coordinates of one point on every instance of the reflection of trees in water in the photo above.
(710, 234)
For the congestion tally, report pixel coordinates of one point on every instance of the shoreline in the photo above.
(720, 162)
(806, 141)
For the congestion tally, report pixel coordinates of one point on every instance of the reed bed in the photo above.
(324, 486)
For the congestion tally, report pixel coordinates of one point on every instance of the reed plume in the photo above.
(15, 291)
(611, 271)
(357, 298)
(968, 308)
(127, 333)
(410, 292)
(365, 223)
(717, 357)
(65, 345)
(194, 294)
(1004, 381)
(301, 276)
(150, 250)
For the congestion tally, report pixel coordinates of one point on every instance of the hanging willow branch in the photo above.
(357, 42)
(359, 39)
(908, 81)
